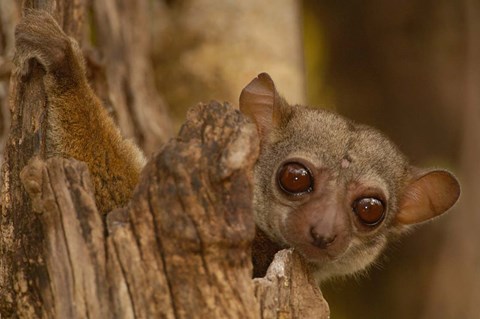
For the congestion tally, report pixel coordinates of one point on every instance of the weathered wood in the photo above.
(180, 249)
(23, 271)
(21, 235)
(289, 291)
(74, 245)
(191, 221)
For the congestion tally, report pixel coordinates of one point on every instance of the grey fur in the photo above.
(347, 162)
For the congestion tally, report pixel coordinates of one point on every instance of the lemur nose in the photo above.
(320, 240)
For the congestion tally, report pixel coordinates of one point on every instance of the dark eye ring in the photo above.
(294, 178)
(369, 210)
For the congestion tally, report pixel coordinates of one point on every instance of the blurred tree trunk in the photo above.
(9, 15)
(209, 48)
(455, 291)
(121, 33)
(402, 68)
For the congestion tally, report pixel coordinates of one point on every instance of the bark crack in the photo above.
(158, 239)
(64, 235)
(124, 276)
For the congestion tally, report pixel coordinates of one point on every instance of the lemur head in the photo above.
(334, 190)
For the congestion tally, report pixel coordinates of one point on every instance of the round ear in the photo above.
(428, 196)
(261, 102)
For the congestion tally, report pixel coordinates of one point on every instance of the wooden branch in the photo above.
(289, 291)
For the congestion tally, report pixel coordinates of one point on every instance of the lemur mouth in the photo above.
(317, 255)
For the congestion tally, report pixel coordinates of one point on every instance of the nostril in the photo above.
(320, 240)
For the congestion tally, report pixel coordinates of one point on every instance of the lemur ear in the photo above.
(428, 195)
(261, 102)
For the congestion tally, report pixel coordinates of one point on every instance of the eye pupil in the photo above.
(370, 211)
(294, 178)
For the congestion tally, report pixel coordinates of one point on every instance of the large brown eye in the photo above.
(370, 211)
(294, 178)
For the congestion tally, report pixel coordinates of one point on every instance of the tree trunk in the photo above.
(209, 48)
(9, 16)
(180, 249)
(124, 73)
(22, 269)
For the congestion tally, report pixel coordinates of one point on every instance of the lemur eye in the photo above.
(295, 178)
(369, 210)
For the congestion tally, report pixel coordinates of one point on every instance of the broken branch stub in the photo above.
(289, 291)
(191, 215)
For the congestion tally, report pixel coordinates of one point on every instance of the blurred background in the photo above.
(410, 68)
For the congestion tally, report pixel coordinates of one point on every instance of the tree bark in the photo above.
(22, 267)
(180, 249)
(21, 238)
(289, 290)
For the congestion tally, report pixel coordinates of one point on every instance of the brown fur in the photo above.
(78, 125)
